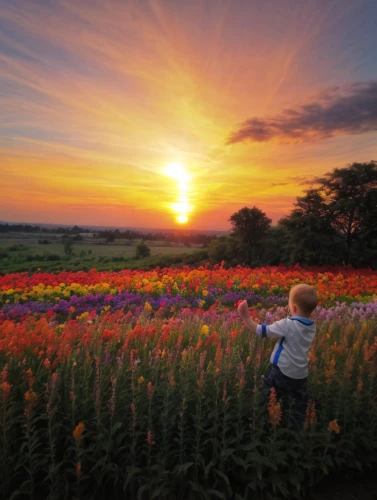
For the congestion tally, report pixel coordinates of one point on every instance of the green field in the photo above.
(98, 250)
(25, 254)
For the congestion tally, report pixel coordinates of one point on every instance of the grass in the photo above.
(16, 257)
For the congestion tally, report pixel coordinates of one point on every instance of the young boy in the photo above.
(288, 371)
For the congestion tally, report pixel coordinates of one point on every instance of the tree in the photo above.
(224, 248)
(274, 243)
(68, 244)
(309, 236)
(250, 226)
(142, 250)
(351, 197)
(336, 222)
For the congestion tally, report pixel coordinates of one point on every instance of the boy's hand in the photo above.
(243, 309)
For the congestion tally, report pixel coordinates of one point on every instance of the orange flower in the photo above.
(150, 438)
(274, 408)
(171, 380)
(4, 373)
(78, 469)
(31, 397)
(5, 389)
(78, 432)
(150, 390)
(359, 385)
(334, 427)
(29, 377)
(330, 372)
(310, 416)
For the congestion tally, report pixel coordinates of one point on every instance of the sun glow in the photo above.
(182, 207)
(182, 219)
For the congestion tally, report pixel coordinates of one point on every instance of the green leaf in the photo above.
(131, 471)
(115, 427)
(140, 491)
(178, 469)
(207, 469)
(217, 494)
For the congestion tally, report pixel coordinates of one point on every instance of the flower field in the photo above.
(145, 384)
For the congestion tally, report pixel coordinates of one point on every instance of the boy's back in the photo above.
(291, 352)
(288, 370)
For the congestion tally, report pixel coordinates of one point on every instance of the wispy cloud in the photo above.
(347, 109)
(97, 97)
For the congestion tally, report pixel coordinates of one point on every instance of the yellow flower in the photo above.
(205, 293)
(204, 330)
(140, 380)
(147, 306)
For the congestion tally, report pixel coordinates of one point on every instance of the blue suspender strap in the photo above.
(304, 321)
(264, 330)
(278, 352)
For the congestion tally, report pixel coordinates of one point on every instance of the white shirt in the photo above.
(291, 353)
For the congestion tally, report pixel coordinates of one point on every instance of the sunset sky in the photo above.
(131, 113)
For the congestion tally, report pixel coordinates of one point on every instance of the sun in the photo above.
(182, 207)
(182, 219)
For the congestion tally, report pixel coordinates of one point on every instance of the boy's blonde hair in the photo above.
(305, 297)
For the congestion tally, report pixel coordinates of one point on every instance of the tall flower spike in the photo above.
(334, 427)
(274, 409)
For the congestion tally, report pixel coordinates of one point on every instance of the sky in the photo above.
(141, 113)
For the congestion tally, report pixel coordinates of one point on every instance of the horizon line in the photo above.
(88, 226)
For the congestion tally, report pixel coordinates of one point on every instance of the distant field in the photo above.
(111, 250)
(25, 254)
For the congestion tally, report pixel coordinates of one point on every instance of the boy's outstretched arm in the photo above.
(243, 311)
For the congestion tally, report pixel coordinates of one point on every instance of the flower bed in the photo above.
(145, 383)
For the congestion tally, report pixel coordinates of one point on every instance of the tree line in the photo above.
(332, 224)
(111, 235)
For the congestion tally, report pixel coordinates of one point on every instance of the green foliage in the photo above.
(142, 250)
(68, 246)
(336, 222)
(17, 247)
(198, 430)
(250, 226)
(224, 248)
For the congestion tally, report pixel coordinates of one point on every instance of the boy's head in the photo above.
(303, 300)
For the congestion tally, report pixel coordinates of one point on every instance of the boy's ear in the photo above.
(294, 308)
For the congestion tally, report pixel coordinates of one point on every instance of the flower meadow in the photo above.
(145, 384)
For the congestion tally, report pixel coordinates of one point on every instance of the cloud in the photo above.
(341, 110)
(300, 180)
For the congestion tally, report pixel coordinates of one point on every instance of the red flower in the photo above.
(107, 335)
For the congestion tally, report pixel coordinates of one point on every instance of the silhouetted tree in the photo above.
(336, 222)
(142, 250)
(250, 226)
(68, 246)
